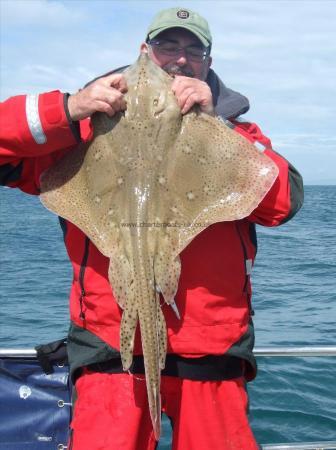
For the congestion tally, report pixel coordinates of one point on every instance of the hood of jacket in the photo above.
(228, 103)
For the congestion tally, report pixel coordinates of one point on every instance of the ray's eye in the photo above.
(159, 104)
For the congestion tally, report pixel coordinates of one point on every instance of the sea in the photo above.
(293, 399)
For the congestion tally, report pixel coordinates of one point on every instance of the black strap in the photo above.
(206, 368)
(52, 353)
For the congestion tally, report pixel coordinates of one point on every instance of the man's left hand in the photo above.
(191, 91)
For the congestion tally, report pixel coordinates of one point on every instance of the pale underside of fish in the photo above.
(146, 185)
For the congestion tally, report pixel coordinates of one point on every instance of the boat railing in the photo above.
(326, 350)
(326, 445)
(301, 351)
(298, 351)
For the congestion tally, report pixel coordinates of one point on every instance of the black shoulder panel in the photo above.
(10, 173)
(253, 235)
(296, 192)
(64, 227)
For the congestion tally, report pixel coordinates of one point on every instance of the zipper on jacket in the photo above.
(247, 272)
(81, 277)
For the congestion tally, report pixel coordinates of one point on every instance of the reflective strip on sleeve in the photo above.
(260, 146)
(249, 265)
(33, 119)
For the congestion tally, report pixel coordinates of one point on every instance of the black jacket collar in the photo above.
(228, 104)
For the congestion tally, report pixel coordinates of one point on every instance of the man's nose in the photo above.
(182, 59)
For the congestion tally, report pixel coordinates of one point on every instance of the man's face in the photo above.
(181, 63)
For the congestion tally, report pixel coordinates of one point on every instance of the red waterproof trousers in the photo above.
(111, 413)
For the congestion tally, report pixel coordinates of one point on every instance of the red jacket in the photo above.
(214, 294)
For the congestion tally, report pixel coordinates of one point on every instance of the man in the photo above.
(210, 348)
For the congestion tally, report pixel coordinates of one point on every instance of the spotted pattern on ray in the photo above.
(148, 183)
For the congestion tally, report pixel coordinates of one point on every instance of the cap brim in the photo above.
(203, 40)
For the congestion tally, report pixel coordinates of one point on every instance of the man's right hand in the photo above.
(104, 95)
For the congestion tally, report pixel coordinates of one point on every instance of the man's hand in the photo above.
(104, 95)
(191, 91)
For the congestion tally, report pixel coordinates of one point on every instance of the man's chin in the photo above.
(173, 72)
(176, 74)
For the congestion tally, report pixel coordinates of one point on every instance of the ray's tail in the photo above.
(154, 352)
(145, 307)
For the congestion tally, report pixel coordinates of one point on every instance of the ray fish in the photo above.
(149, 182)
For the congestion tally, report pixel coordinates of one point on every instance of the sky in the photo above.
(281, 54)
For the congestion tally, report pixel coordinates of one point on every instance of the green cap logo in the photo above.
(182, 14)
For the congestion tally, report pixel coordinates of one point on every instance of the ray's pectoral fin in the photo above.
(227, 177)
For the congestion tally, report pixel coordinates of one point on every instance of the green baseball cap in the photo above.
(182, 18)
